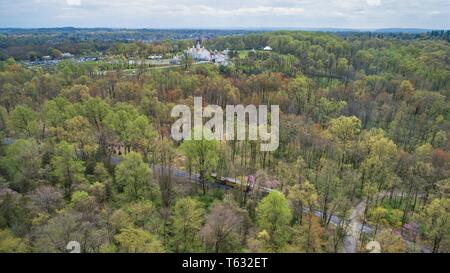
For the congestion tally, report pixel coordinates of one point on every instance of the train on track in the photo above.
(237, 184)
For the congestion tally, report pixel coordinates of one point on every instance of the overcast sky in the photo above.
(226, 13)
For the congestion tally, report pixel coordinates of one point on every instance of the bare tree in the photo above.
(225, 228)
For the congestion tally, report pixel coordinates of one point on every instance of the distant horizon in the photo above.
(233, 28)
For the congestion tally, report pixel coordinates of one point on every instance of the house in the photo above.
(175, 60)
(67, 55)
(87, 59)
(267, 48)
(220, 57)
(155, 57)
(199, 53)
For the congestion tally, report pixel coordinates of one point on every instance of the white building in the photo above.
(199, 53)
(155, 57)
(220, 57)
(67, 55)
(175, 60)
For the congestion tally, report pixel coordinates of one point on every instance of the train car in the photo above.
(231, 182)
(237, 184)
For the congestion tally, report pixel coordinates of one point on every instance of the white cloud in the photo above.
(73, 2)
(244, 11)
(373, 3)
(227, 13)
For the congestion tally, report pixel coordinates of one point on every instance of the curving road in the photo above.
(351, 240)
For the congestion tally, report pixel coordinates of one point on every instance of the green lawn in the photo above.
(243, 54)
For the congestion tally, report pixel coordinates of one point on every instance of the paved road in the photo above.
(354, 228)
(351, 240)
(193, 178)
(132, 71)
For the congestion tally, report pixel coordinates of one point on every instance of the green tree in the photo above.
(165, 154)
(202, 154)
(135, 240)
(133, 176)
(187, 220)
(345, 128)
(120, 120)
(142, 136)
(67, 168)
(11, 244)
(95, 110)
(14, 213)
(378, 165)
(303, 195)
(308, 237)
(327, 109)
(378, 213)
(80, 132)
(435, 222)
(186, 61)
(57, 111)
(391, 242)
(273, 216)
(144, 214)
(303, 97)
(24, 121)
(22, 163)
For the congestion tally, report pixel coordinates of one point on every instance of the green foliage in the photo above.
(133, 176)
(24, 122)
(134, 240)
(79, 196)
(68, 170)
(435, 222)
(187, 221)
(364, 134)
(273, 216)
(202, 155)
(96, 111)
(11, 244)
(308, 237)
(22, 163)
(345, 128)
(57, 111)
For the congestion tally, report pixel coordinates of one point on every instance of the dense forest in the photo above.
(31, 44)
(86, 153)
